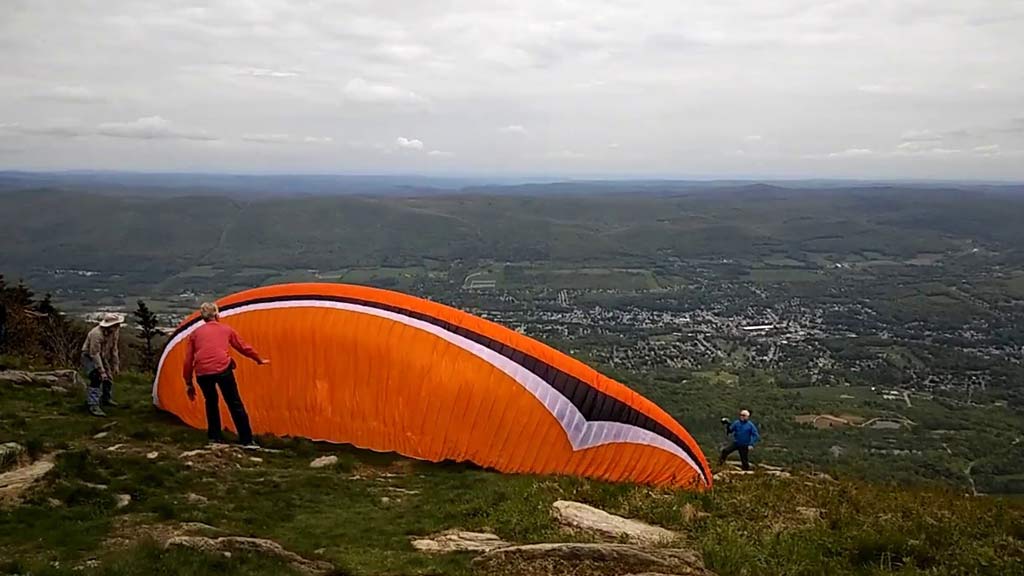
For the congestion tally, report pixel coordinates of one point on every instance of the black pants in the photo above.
(744, 451)
(208, 383)
(99, 390)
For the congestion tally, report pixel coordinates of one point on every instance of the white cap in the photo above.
(744, 413)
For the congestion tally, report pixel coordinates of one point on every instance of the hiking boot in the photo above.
(97, 411)
(216, 442)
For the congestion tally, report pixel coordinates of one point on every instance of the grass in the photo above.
(360, 514)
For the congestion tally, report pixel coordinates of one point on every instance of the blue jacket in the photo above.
(744, 433)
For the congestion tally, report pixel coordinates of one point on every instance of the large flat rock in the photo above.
(254, 545)
(588, 560)
(577, 516)
(458, 541)
(15, 482)
(60, 380)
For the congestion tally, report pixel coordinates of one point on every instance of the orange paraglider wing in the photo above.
(391, 372)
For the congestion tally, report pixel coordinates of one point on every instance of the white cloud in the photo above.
(573, 73)
(987, 150)
(267, 138)
(360, 90)
(151, 128)
(567, 155)
(409, 143)
(754, 138)
(55, 128)
(882, 89)
(265, 73)
(921, 136)
(76, 94)
(285, 139)
(440, 154)
(852, 153)
(924, 148)
(403, 52)
(513, 129)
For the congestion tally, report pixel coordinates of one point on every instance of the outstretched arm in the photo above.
(248, 351)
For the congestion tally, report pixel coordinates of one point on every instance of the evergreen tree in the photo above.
(147, 321)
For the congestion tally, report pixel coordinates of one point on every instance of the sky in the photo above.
(923, 89)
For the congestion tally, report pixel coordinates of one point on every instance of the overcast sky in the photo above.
(724, 88)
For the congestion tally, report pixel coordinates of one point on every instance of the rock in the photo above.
(579, 516)
(100, 435)
(115, 447)
(16, 481)
(458, 541)
(821, 476)
(191, 453)
(257, 545)
(123, 500)
(810, 513)
(255, 459)
(10, 453)
(153, 455)
(54, 503)
(689, 512)
(95, 486)
(588, 560)
(385, 500)
(109, 425)
(726, 475)
(778, 473)
(196, 499)
(401, 490)
(58, 380)
(323, 461)
(186, 527)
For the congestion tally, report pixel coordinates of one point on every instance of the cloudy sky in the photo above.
(730, 88)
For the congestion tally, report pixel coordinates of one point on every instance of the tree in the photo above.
(45, 306)
(147, 321)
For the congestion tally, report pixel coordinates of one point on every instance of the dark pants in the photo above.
(744, 454)
(208, 383)
(99, 391)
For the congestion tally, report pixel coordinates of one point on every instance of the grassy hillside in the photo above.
(360, 514)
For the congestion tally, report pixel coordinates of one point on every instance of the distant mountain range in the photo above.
(269, 185)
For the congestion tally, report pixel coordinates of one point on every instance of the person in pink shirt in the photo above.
(208, 355)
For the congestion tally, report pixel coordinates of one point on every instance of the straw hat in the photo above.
(111, 319)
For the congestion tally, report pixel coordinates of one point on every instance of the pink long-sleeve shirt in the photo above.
(208, 350)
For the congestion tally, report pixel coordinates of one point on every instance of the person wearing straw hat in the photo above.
(101, 362)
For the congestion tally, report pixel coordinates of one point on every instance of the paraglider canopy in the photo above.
(391, 372)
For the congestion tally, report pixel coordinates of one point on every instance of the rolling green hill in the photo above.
(146, 240)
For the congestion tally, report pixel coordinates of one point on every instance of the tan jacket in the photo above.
(100, 352)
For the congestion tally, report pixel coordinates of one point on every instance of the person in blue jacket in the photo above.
(744, 435)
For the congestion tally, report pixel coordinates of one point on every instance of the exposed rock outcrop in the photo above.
(588, 560)
(577, 516)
